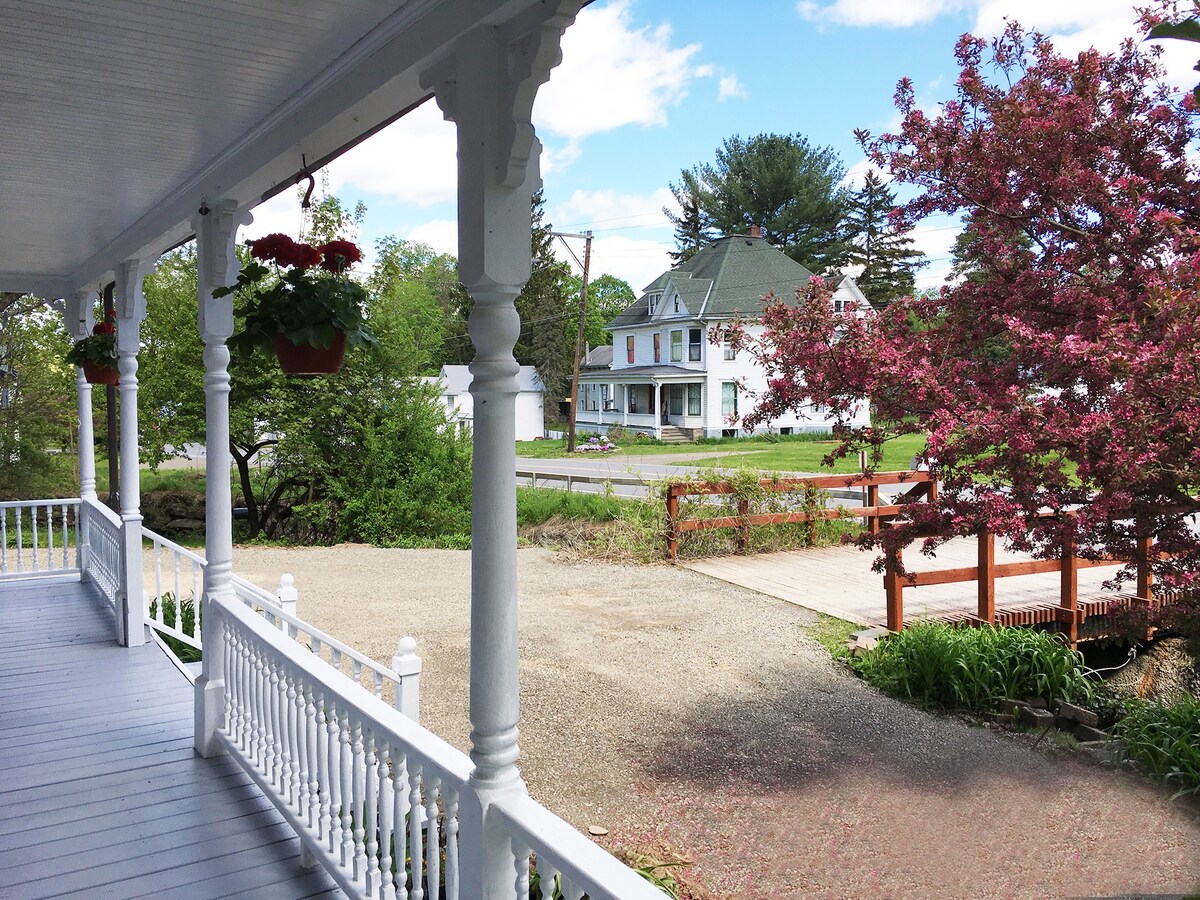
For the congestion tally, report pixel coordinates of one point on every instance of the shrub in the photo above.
(951, 667)
(1165, 740)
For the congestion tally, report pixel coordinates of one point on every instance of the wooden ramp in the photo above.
(838, 581)
(101, 794)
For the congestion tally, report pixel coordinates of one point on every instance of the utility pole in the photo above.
(587, 258)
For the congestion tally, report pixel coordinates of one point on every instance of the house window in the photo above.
(729, 399)
(657, 347)
(693, 399)
(676, 346)
(632, 394)
(676, 303)
(695, 336)
(629, 348)
(677, 400)
(730, 353)
(653, 302)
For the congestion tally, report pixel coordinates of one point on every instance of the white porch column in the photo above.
(217, 266)
(131, 310)
(487, 87)
(79, 325)
(625, 404)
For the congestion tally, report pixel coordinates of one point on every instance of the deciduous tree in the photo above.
(1068, 378)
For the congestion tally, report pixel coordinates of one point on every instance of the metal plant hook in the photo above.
(306, 203)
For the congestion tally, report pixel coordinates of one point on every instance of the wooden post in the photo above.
(893, 584)
(743, 536)
(811, 529)
(987, 576)
(1069, 591)
(672, 519)
(1145, 571)
(873, 501)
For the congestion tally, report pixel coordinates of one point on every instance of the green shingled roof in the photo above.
(735, 273)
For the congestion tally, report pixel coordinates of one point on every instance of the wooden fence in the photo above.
(866, 486)
(1069, 613)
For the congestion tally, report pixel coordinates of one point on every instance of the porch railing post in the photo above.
(407, 666)
(131, 310)
(486, 85)
(217, 265)
(893, 585)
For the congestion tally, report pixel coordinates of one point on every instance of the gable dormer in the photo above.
(655, 298)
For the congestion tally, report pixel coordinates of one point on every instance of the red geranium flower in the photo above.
(104, 328)
(337, 256)
(305, 256)
(278, 248)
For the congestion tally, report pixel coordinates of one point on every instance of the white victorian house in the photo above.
(281, 769)
(662, 376)
(529, 416)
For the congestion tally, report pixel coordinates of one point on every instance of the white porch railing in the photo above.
(100, 549)
(31, 526)
(172, 608)
(378, 800)
(364, 787)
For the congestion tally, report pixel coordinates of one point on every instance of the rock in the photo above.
(1036, 718)
(1110, 753)
(864, 641)
(1072, 713)
(1036, 703)
(597, 830)
(1086, 733)
(185, 525)
(1165, 672)
(1007, 720)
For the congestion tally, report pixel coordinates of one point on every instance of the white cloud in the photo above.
(413, 160)
(605, 210)
(858, 172)
(440, 234)
(279, 215)
(730, 87)
(872, 12)
(613, 74)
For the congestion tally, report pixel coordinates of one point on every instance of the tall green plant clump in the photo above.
(949, 667)
(1165, 740)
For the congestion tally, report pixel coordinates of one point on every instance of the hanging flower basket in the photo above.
(96, 354)
(97, 374)
(304, 359)
(306, 306)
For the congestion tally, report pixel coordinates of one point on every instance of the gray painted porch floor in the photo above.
(101, 794)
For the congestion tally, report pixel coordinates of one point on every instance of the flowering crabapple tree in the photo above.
(1064, 373)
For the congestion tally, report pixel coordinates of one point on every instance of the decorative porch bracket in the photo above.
(486, 86)
(131, 310)
(217, 266)
(79, 322)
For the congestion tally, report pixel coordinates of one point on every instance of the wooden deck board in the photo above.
(101, 794)
(838, 581)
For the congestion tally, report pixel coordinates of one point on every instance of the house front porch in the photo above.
(660, 401)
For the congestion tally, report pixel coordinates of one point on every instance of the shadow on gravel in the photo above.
(789, 735)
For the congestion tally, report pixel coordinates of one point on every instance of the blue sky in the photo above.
(649, 87)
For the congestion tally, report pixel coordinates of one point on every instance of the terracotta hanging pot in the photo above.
(302, 359)
(100, 374)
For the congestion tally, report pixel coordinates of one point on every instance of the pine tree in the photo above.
(692, 227)
(544, 306)
(885, 253)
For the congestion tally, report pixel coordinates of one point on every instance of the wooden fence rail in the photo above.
(1069, 612)
(866, 486)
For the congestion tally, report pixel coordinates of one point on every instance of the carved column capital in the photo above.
(217, 265)
(78, 314)
(130, 302)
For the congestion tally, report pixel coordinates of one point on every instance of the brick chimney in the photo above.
(754, 231)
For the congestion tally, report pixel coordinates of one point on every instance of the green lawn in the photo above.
(806, 456)
(557, 448)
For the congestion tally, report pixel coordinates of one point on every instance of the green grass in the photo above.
(947, 667)
(1165, 741)
(191, 480)
(639, 446)
(831, 633)
(807, 455)
(538, 505)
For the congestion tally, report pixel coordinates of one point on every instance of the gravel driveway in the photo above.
(662, 704)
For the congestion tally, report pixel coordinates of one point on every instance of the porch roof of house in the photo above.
(642, 374)
(119, 116)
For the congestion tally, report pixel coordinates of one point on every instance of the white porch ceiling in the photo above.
(116, 116)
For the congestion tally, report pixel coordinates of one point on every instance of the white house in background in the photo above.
(454, 385)
(661, 375)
